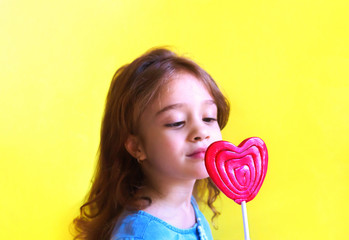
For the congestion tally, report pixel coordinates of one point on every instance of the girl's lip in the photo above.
(198, 153)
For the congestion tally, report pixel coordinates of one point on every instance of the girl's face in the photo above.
(176, 129)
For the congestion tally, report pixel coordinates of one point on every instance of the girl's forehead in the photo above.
(179, 82)
(181, 92)
(182, 88)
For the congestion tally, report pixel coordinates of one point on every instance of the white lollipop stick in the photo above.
(245, 221)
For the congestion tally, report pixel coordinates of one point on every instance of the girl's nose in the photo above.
(199, 133)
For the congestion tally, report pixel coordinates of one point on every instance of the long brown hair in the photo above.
(118, 176)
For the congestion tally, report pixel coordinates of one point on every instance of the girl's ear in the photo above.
(134, 147)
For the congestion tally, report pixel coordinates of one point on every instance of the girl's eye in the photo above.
(209, 120)
(175, 124)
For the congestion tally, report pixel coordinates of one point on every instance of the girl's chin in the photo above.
(202, 175)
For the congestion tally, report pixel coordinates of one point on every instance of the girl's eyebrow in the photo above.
(179, 105)
(209, 102)
(169, 107)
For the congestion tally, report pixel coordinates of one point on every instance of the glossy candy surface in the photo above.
(238, 171)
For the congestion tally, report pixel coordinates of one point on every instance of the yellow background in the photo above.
(284, 65)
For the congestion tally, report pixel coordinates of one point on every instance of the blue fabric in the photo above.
(141, 225)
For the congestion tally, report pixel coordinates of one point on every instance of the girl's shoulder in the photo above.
(141, 225)
(131, 225)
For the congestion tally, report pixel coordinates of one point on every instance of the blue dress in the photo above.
(139, 225)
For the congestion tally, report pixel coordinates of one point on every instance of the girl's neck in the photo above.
(173, 195)
(171, 202)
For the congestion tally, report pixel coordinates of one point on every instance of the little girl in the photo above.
(162, 112)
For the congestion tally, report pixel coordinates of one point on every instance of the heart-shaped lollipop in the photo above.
(238, 171)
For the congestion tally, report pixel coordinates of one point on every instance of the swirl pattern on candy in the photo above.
(238, 171)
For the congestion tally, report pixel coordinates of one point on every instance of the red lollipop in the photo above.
(238, 171)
